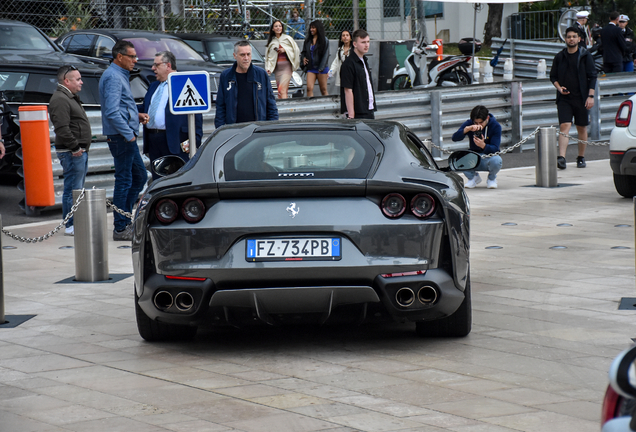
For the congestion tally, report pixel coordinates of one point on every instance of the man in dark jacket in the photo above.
(628, 35)
(574, 76)
(614, 47)
(165, 132)
(484, 137)
(357, 99)
(583, 29)
(247, 84)
(72, 135)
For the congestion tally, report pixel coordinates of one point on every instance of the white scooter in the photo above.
(441, 71)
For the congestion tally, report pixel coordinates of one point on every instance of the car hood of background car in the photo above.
(39, 58)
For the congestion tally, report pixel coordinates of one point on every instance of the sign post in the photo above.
(189, 94)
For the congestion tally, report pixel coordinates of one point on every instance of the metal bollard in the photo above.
(2, 320)
(546, 149)
(91, 236)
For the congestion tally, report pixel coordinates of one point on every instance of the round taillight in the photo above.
(166, 211)
(422, 205)
(393, 205)
(193, 210)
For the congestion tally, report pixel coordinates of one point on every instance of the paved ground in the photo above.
(546, 327)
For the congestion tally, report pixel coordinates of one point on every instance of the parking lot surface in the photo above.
(548, 268)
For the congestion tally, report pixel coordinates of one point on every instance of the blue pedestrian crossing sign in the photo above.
(189, 92)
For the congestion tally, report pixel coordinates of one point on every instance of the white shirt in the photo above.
(369, 87)
(160, 116)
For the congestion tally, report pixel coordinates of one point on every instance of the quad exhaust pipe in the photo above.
(427, 295)
(405, 296)
(183, 301)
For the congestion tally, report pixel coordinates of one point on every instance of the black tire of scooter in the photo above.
(457, 76)
(401, 82)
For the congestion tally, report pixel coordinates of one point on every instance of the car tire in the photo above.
(458, 324)
(625, 185)
(155, 331)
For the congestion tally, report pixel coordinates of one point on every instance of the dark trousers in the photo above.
(130, 176)
(370, 115)
(613, 67)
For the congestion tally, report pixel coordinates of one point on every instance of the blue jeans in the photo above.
(130, 176)
(491, 164)
(74, 170)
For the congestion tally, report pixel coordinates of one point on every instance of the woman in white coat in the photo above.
(282, 57)
(344, 46)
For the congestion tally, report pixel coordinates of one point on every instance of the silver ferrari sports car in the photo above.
(315, 222)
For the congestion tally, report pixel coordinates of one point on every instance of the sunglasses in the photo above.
(69, 69)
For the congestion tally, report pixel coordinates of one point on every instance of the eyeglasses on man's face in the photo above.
(132, 56)
(159, 64)
(69, 69)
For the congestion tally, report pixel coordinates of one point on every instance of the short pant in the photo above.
(568, 108)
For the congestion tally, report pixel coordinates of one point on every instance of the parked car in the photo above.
(98, 44)
(219, 50)
(622, 149)
(22, 43)
(321, 221)
(33, 84)
(620, 397)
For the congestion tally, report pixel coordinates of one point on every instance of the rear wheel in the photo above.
(400, 82)
(154, 331)
(458, 324)
(625, 185)
(457, 77)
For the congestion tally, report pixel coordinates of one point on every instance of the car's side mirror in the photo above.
(167, 165)
(620, 371)
(463, 160)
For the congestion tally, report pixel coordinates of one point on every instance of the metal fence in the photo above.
(520, 107)
(525, 55)
(249, 18)
(539, 25)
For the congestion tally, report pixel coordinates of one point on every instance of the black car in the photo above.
(98, 44)
(219, 50)
(23, 83)
(21, 43)
(321, 221)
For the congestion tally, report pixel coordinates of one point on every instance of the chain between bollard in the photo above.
(52, 232)
(520, 143)
(596, 143)
(118, 210)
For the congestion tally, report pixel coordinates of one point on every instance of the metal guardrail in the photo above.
(434, 114)
(525, 54)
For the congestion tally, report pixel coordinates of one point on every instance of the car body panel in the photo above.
(379, 256)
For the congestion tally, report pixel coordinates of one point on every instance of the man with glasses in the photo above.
(120, 123)
(72, 135)
(165, 132)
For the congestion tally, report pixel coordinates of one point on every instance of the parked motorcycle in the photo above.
(441, 71)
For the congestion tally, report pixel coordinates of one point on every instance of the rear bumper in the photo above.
(319, 303)
(623, 163)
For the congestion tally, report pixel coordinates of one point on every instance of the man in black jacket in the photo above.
(614, 47)
(574, 76)
(72, 135)
(357, 99)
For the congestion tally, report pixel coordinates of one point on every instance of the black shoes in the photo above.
(580, 162)
(561, 162)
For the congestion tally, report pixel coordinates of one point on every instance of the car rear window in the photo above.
(23, 38)
(300, 154)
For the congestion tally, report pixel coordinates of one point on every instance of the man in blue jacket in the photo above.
(164, 132)
(484, 136)
(247, 84)
(120, 124)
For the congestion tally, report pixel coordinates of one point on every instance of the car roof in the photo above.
(317, 124)
(85, 69)
(16, 23)
(206, 36)
(120, 34)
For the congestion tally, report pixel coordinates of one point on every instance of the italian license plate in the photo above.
(293, 249)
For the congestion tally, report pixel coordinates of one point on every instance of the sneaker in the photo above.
(561, 163)
(470, 184)
(125, 235)
(580, 162)
(491, 184)
(69, 231)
